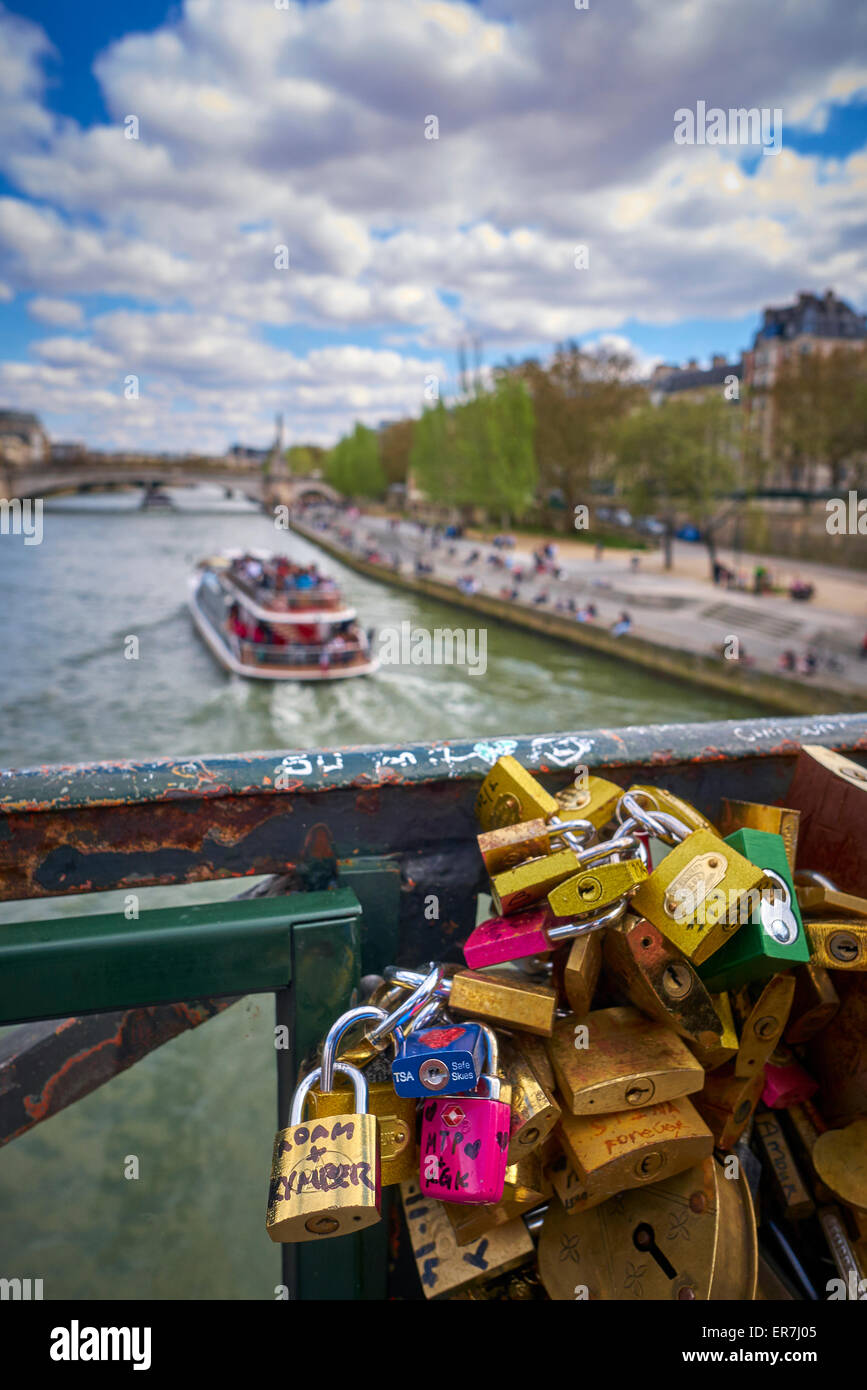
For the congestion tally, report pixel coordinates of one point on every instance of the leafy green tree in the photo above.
(354, 467)
(681, 460)
(820, 403)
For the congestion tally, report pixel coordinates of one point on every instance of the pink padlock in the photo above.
(464, 1139)
(786, 1082)
(529, 933)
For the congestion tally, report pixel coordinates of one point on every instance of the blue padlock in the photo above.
(441, 1060)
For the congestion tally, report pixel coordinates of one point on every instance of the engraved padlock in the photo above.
(465, 1139)
(395, 1114)
(325, 1177)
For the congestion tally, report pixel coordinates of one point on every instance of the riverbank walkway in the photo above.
(680, 611)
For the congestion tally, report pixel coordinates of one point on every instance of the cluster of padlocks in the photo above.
(647, 1039)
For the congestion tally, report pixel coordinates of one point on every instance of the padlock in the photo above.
(378, 1038)
(593, 798)
(838, 945)
(722, 1051)
(753, 815)
(444, 1266)
(695, 894)
(771, 936)
(581, 970)
(819, 897)
(661, 799)
(573, 1193)
(533, 1110)
(815, 1003)
(325, 1178)
(691, 1237)
(632, 1147)
(533, 1048)
(830, 791)
(763, 1022)
(595, 888)
(510, 794)
(535, 931)
(621, 1059)
(531, 881)
(786, 1081)
(464, 1139)
(658, 979)
(727, 1103)
(792, 1193)
(837, 1056)
(524, 1188)
(504, 997)
(396, 1115)
(840, 1160)
(510, 845)
(442, 1060)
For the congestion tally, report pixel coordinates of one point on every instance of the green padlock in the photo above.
(773, 939)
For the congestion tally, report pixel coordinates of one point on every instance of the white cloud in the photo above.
(305, 127)
(63, 312)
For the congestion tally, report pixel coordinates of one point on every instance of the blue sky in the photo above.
(305, 127)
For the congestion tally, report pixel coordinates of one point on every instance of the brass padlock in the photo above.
(752, 815)
(325, 1178)
(818, 897)
(594, 888)
(510, 794)
(528, 882)
(534, 1112)
(814, 1004)
(632, 1147)
(396, 1115)
(726, 1047)
(509, 845)
(727, 1103)
(572, 1192)
(762, 1022)
(792, 1192)
(660, 981)
(621, 1060)
(661, 799)
(697, 893)
(838, 945)
(532, 1046)
(581, 971)
(840, 1160)
(442, 1264)
(593, 798)
(688, 1237)
(504, 999)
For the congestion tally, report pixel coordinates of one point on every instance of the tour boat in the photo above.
(265, 617)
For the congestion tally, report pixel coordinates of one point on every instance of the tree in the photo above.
(353, 467)
(681, 459)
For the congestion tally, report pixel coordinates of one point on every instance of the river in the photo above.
(199, 1113)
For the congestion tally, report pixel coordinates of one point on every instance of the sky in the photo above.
(248, 207)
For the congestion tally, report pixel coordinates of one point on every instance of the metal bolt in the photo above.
(844, 946)
(697, 1202)
(685, 1294)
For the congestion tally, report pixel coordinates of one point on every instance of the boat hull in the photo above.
(223, 653)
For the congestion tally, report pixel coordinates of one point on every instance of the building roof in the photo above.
(814, 316)
(685, 379)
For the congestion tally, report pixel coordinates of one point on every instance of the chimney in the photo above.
(719, 359)
(692, 363)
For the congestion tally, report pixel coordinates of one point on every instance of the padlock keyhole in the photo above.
(644, 1239)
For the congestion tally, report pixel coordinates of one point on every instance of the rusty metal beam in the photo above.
(126, 825)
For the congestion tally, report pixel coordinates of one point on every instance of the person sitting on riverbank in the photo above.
(622, 626)
(587, 613)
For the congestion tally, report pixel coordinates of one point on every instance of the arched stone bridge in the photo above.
(95, 473)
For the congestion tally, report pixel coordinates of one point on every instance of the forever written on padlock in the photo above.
(611, 1153)
(325, 1176)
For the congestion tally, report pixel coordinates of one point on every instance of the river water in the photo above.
(199, 1113)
